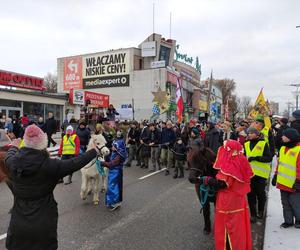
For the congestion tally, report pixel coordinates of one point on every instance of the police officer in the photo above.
(259, 156)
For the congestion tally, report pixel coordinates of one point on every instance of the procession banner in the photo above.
(261, 108)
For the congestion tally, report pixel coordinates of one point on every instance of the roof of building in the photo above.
(61, 96)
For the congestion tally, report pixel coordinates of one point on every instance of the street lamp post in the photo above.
(296, 93)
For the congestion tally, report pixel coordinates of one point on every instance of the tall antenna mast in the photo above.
(170, 25)
(153, 16)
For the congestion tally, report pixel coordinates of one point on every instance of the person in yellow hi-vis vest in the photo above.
(266, 132)
(287, 177)
(259, 156)
(69, 147)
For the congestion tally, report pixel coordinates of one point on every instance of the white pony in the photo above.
(90, 175)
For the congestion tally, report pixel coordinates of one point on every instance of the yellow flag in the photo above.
(261, 108)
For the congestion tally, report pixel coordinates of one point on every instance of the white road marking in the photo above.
(148, 175)
(3, 236)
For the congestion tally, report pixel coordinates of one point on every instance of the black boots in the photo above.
(181, 175)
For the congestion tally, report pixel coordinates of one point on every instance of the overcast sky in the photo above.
(254, 42)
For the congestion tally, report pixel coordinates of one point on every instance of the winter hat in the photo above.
(69, 128)
(82, 122)
(296, 114)
(253, 130)
(196, 131)
(35, 138)
(260, 119)
(193, 122)
(292, 134)
(284, 120)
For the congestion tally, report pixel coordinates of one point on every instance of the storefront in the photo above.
(21, 94)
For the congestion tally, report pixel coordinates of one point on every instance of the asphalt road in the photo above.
(158, 212)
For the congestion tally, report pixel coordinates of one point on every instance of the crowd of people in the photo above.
(227, 162)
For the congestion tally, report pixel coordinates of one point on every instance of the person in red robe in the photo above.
(232, 220)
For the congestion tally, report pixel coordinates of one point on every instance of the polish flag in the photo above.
(179, 101)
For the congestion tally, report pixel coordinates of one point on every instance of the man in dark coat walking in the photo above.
(296, 122)
(32, 179)
(283, 122)
(50, 128)
(212, 138)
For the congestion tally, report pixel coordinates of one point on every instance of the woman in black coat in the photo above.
(33, 176)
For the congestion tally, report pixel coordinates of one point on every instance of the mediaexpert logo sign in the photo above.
(104, 82)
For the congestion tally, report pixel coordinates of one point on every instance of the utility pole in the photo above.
(209, 92)
(296, 93)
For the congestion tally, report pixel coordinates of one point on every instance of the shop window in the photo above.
(10, 103)
(33, 110)
(164, 54)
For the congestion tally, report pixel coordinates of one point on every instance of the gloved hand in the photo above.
(205, 180)
(296, 186)
(274, 180)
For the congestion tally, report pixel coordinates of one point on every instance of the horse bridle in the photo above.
(94, 161)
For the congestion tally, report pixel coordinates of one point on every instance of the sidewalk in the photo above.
(275, 237)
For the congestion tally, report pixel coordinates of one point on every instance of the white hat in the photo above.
(70, 128)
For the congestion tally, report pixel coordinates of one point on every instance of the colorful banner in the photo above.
(261, 108)
(179, 101)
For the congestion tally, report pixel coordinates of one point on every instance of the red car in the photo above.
(5, 144)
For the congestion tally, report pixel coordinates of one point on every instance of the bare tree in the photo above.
(245, 105)
(50, 82)
(227, 87)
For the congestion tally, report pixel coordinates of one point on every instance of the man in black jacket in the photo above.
(84, 135)
(132, 140)
(283, 122)
(154, 141)
(296, 122)
(212, 138)
(144, 148)
(259, 156)
(50, 129)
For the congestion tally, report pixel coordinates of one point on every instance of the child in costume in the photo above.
(114, 193)
(232, 219)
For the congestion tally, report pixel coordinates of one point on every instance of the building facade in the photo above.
(143, 77)
(23, 94)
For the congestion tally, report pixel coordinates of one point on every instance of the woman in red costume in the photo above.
(232, 220)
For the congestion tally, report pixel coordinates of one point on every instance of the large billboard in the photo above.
(100, 70)
(73, 73)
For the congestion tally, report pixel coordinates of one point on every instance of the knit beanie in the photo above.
(292, 134)
(35, 138)
(196, 131)
(69, 128)
(253, 130)
(260, 119)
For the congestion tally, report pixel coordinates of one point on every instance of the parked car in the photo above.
(5, 144)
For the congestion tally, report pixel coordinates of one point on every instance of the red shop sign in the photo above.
(97, 99)
(21, 81)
